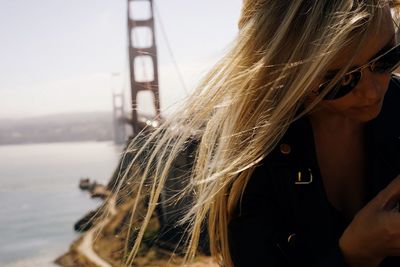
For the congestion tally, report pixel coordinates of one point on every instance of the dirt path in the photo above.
(86, 247)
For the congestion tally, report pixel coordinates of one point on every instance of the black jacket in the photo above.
(285, 218)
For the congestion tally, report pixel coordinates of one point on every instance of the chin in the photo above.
(366, 115)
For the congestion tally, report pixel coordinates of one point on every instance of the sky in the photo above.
(64, 56)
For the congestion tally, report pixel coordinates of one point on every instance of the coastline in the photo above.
(40, 200)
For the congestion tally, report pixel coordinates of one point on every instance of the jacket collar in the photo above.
(297, 148)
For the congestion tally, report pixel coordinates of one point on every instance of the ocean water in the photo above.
(40, 199)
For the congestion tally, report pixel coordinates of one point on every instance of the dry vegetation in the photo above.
(114, 238)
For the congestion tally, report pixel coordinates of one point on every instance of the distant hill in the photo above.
(91, 126)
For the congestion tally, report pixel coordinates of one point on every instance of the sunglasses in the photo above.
(385, 63)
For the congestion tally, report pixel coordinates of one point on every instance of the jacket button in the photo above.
(291, 240)
(285, 149)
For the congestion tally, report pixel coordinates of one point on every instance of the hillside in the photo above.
(110, 231)
(90, 126)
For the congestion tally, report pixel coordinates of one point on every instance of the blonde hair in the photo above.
(244, 106)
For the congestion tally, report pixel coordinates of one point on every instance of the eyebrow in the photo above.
(331, 73)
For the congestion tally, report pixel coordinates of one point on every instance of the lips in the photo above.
(371, 105)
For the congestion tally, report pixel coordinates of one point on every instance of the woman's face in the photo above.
(364, 102)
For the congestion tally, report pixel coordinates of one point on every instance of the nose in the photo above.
(373, 85)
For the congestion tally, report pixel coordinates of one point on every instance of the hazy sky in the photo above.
(58, 56)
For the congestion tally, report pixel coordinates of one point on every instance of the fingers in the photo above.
(389, 196)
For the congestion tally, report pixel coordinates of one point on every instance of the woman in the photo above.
(298, 140)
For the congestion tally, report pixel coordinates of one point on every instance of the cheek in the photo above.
(385, 80)
(340, 105)
(373, 87)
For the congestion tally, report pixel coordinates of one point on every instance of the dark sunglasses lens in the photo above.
(387, 62)
(344, 86)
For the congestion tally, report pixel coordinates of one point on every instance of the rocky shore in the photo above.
(107, 235)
